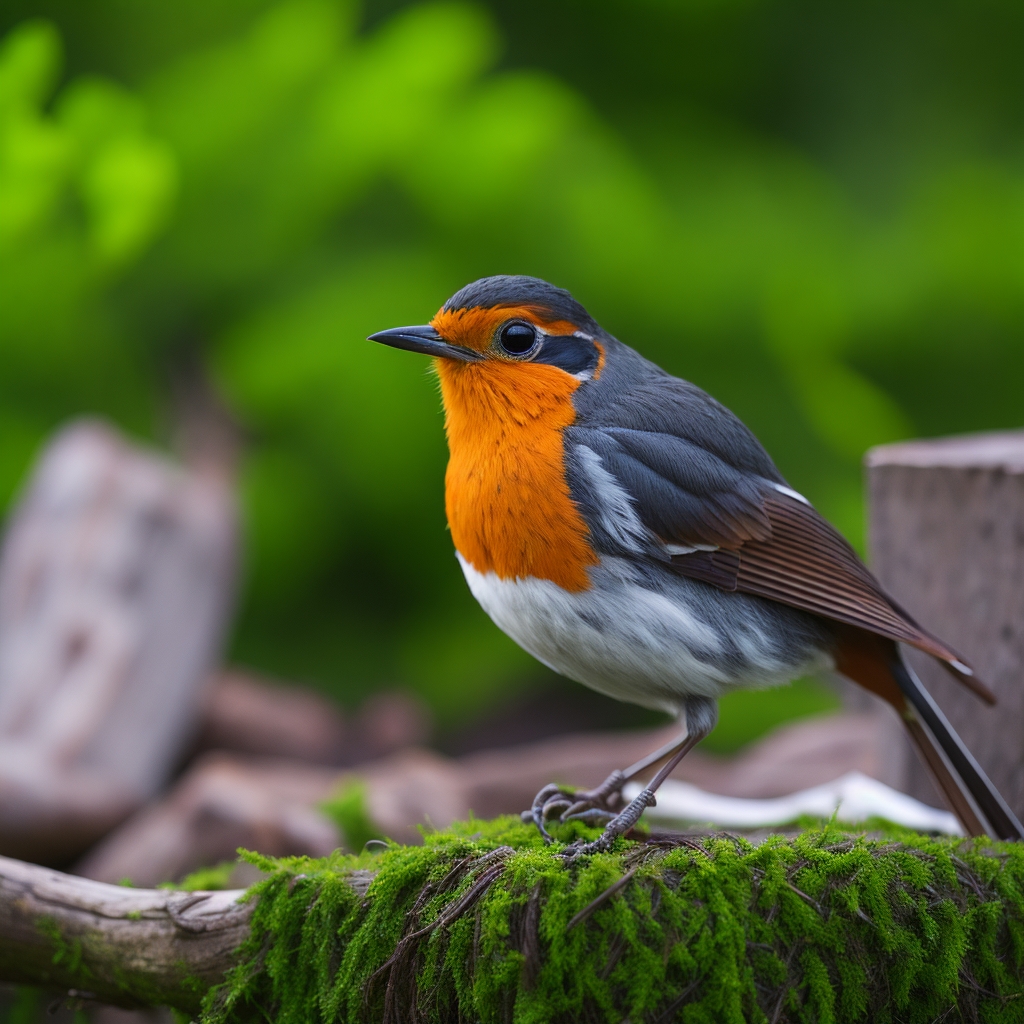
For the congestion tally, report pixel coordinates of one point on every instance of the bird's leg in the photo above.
(605, 796)
(596, 806)
(701, 717)
(590, 804)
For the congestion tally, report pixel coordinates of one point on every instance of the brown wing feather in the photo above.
(808, 564)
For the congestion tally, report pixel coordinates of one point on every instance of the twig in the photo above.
(595, 903)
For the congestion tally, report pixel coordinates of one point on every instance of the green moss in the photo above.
(205, 879)
(65, 954)
(349, 811)
(482, 923)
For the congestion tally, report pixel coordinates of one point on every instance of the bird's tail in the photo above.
(969, 791)
(877, 664)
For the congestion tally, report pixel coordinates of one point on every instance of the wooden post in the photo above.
(116, 579)
(947, 541)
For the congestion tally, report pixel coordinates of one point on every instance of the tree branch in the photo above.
(129, 947)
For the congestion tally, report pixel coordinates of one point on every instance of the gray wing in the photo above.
(684, 495)
(695, 476)
(634, 394)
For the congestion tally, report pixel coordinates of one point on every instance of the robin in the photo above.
(631, 533)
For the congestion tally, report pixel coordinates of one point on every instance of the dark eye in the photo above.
(517, 338)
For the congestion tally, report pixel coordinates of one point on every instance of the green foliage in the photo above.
(746, 715)
(813, 211)
(484, 923)
(26, 1006)
(349, 811)
(66, 954)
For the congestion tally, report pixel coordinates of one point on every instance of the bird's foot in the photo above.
(593, 806)
(619, 825)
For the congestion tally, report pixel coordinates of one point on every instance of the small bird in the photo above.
(631, 533)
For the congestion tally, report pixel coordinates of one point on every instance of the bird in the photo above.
(631, 533)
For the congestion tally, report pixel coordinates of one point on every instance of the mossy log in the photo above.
(483, 923)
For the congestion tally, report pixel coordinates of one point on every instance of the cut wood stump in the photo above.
(947, 542)
(116, 578)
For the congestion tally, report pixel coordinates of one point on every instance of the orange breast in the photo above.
(507, 499)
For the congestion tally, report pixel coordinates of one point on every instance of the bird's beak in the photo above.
(426, 340)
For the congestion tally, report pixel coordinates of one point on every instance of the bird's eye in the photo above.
(517, 338)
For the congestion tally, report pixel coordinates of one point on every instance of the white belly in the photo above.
(650, 642)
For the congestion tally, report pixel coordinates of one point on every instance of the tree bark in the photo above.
(128, 947)
(947, 542)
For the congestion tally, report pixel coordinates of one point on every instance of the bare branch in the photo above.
(129, 947)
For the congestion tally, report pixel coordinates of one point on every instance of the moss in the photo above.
(482, 923)
(205, 879)
(65, 954)
(348, 810)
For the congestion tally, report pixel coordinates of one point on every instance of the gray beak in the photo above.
(426, 340)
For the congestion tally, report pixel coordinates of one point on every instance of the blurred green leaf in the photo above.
(30, 59)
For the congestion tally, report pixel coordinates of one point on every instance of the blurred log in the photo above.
(384, 723)
(131, 947)
(795, 756)
(947, 541)
(246, 714)
(226, 801)
(116, 577)
(222, 803)
(250, 715)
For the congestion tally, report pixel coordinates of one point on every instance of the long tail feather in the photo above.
(953, 765)
(957, 797)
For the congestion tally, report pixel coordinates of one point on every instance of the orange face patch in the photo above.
(507, 499)
(474, 328)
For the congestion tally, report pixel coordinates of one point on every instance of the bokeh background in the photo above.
(813, 210)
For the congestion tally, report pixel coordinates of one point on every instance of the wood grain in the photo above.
(135, 947)
(946, 527)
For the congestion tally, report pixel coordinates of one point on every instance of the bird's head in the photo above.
(512, 355)
(519, 330)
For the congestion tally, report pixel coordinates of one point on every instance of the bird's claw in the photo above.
(557, 808)
(590, 816)
(537, 813)
(590, 806)
(619, 825)
(573, 810)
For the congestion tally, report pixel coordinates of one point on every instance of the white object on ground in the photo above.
(856, 796)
